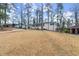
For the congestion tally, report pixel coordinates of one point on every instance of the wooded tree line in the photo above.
(25, 15)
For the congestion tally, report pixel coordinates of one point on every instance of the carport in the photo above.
(74, 29)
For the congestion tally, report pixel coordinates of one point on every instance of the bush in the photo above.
(66, 30)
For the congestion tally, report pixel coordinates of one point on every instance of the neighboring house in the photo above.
(74, 29)
(45, 27)
(51, 27)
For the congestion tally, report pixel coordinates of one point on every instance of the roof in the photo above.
(76, 26)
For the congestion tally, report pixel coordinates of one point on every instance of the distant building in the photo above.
(51, 27)
(74, 29)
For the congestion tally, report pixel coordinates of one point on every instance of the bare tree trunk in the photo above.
(21, 16)
(42, 19)
(28, 18)
(76, 20)
(48, 19)
(1, 25)
(5, 16)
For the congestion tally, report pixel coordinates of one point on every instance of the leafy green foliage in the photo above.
(66, 30)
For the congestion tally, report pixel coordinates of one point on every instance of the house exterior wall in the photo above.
(51, 27)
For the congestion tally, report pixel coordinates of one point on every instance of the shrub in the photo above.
(66, 30)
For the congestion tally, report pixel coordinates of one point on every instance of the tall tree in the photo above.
(28, 10)
(76, 12)
(52, 16)
(21, 7)
(5, 8)
(48, 11)
(12, 10)
(60, 16)
(49, 7)
(37, 17)
(3, 15)
(42, 16)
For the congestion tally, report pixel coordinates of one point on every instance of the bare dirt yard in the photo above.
(39, 43)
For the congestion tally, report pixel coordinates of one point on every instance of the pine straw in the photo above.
(34, 42)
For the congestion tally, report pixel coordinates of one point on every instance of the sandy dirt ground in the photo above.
(38, 43)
